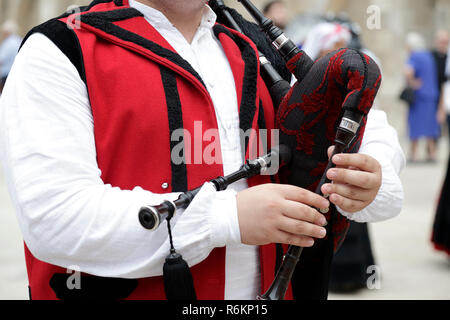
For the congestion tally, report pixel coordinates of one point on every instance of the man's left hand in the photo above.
(356, 181)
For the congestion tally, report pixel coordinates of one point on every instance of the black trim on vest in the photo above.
(174, 110)
(92, 288)
(94, 3)
(261, 117)
(253, 31)
(114, 15)
(66, 41)
(250, 82)
(104, 21)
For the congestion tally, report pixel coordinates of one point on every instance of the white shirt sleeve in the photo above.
(381, 142)
(67, 215)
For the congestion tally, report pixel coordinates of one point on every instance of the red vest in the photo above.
(140, 91)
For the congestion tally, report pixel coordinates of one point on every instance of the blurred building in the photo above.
(396, 19)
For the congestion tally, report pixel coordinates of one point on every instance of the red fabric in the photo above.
(439, 247)
(132, 137)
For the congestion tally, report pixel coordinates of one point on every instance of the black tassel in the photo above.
(178, 282)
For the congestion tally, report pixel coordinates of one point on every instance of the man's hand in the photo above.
(356, 181)
(273, 213)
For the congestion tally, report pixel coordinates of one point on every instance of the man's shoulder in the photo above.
(64, 37)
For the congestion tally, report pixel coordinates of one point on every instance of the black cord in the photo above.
(169, 228)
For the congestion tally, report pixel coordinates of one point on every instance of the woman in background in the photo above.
(9, 46)
(421, 75)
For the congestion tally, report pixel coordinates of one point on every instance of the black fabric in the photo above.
(441, 226)
(65, 39)
(114, 15)
(352, 260)
(261, 118)
(92, 288)
(253, 31)
(441, 62)
(408, 96)
(96, 2)
(278, 92)
(311, 278)
(174, 110)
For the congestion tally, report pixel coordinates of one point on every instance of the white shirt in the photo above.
(69, 217)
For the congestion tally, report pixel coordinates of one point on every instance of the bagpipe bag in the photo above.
(308, 117)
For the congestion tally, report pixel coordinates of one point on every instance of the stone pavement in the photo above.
(13, 278)
(410, 267)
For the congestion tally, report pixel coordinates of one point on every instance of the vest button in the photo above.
(165, 186)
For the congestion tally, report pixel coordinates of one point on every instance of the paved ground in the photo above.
(13, 279)
(411, 269)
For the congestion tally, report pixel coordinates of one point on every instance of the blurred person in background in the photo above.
(441, 227)
(8, 49)
(351, 262)
(441, 56)
(325, 38)
(277, 12)
(421, 76)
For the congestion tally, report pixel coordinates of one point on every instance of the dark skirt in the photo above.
(352, 260)
(441, 227)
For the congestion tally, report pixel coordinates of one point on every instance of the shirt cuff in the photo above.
(224, 219)
(214, 215)
(387, 204)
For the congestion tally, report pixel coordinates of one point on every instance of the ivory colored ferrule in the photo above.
(263, 60)
(349, 125)
(280, 41)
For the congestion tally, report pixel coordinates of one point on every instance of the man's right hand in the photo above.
(274, 213)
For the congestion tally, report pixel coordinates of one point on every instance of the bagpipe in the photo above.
(328, 105)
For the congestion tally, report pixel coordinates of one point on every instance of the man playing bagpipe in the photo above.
(94, 114)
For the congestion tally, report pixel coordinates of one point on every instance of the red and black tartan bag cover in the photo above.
(310, 114)
(308, 119)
